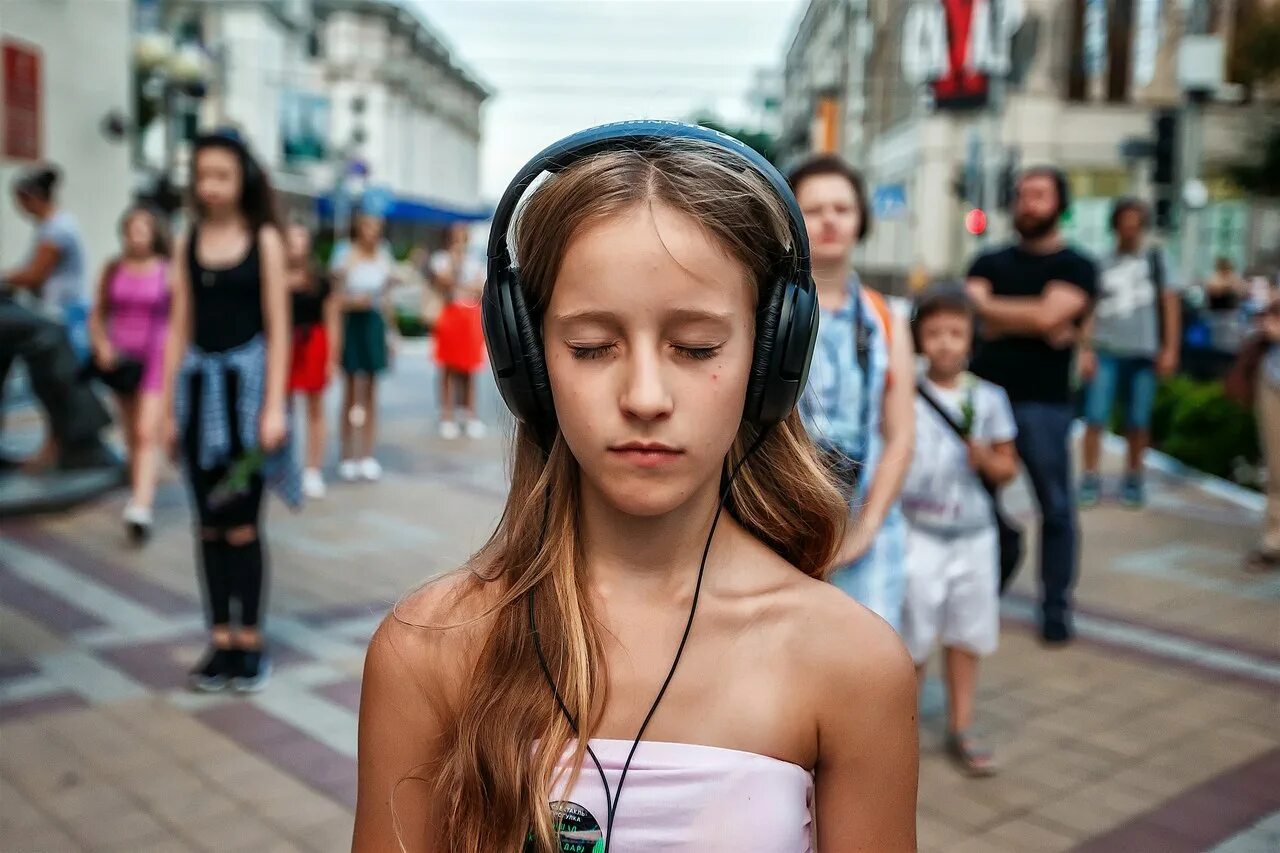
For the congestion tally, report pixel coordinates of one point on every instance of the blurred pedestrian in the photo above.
(1225, 289)
(54, 271)
(227, 367)
(1031, 299)
(363, 270)
(964, 436)
(1129, 342)
(859, 403)
(128, 328)
(1255, 378)
(458, 333)
(56, 268)
(317, 340)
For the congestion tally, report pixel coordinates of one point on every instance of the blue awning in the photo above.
(419, 211)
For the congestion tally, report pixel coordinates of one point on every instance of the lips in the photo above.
(646, 454)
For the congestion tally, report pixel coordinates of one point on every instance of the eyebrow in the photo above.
(679, 315)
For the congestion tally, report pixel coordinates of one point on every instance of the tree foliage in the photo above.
(762, 142)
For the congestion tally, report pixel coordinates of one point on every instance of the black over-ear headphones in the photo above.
(786, 319)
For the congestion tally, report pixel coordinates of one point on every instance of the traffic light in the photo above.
(1166, 148)
(975, 221)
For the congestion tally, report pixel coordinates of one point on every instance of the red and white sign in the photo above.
(20, 101)
(954, 45)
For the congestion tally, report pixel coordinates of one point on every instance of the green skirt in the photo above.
(364, 343)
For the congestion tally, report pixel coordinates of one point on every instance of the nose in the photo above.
(646, 395)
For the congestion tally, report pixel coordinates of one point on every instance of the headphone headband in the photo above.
(637, 134)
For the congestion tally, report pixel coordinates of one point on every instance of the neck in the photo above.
(655, 557)
(1044, 244)
(832, 283)
(948, 379)
(222, 218)
(1128, 247)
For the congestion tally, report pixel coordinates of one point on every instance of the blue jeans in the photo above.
(1133, 378)
(1043, 442)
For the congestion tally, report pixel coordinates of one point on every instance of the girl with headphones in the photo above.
(644, 656)
(226, 366)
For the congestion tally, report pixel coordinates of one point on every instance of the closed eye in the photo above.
(698, 353)
(586, 353)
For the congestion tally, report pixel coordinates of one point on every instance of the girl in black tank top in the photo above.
(225, 371)
(226, 302)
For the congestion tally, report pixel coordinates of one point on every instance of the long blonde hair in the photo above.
(503, 743)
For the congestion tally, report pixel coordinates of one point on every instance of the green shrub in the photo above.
(410, 324)
(1195, 423)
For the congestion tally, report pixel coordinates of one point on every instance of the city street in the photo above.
(1156, 731)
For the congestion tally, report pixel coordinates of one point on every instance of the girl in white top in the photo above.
(643, 269)
(363, 272)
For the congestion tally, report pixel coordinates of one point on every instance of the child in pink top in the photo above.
(128, 328)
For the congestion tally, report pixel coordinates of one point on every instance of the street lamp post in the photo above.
(172, 74)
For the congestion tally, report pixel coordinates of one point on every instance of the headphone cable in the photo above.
(612, 798)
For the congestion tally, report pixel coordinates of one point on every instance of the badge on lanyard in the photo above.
(577, 829)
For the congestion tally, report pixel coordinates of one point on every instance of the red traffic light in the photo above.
(975, 221)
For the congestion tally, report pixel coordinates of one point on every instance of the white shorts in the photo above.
(953, 592)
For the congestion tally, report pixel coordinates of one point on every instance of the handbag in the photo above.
(1009, 533)
(123, 377)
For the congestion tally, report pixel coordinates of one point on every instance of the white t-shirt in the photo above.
(469, 280)
(365, 277)
(66, 284)
(942, 491)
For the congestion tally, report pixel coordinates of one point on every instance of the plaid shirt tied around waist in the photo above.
(249, 361)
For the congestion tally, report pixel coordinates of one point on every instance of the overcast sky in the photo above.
(557, 66)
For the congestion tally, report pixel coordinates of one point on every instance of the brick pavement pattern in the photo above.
(1157, 730)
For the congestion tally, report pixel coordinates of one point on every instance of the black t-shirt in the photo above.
(308, 303)
(1026, 366)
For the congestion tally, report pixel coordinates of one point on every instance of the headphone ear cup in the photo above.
(786, 334)
(761, 367)
(542, 412)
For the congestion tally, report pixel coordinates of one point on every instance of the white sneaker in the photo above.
(313, 484)
(449, 430)
(370, 469)
(349, 470)
(134, 514)
(476, 429)
(137, 522)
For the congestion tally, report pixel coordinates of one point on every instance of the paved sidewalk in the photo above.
(1158, 730)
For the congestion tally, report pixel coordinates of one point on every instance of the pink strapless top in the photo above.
(688, 797)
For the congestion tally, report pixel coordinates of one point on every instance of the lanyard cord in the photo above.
(612, 798)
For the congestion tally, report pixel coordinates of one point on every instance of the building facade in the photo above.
(1084, 77)
(340, 99)
(75, 86)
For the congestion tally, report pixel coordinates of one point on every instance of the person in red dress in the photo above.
(317, 340)
(459, 336)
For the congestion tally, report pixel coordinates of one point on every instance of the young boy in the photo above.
(952, 555)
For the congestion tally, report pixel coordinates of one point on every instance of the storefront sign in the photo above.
(955, 45)
(20, 101)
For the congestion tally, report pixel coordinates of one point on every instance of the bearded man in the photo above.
(1031, 299)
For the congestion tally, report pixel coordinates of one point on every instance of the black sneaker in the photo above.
(1056, 633)
(214, 671)
(252, 671)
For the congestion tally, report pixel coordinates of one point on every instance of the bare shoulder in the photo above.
(270, 239)
(431, 637)
(841, 644)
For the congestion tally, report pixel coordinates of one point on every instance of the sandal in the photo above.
(969, 755)
(1262, 560)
